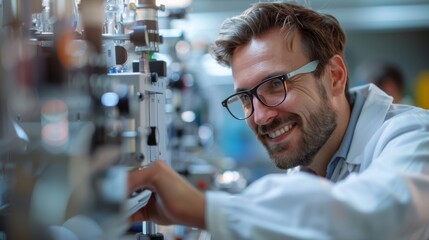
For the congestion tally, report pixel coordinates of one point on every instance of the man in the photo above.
(369, 157)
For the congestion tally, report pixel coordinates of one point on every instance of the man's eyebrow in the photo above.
(267, 77)
(240, 90)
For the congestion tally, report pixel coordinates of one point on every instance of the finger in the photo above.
(137, 178)
(137, 216)
(144, 177)
(145, 212)
(140, 215)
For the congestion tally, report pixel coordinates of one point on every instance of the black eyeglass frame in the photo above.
(307, 68)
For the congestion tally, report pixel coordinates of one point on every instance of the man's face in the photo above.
(294, 131)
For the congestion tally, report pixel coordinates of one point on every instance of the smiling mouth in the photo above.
(280, 131)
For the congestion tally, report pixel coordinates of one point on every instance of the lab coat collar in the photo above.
(369, 108)
(356, 102)
(371, 117)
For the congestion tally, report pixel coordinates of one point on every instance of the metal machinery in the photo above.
(82, 102)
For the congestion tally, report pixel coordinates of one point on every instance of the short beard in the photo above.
(321, 124)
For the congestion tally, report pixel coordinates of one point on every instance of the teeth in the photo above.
(280, 131)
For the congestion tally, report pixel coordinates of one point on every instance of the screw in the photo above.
(140, 96)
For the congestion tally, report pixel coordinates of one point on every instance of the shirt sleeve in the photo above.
(387, 200)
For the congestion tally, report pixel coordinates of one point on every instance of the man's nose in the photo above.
(261, 113)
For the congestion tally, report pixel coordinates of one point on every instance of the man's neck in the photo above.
(325, 154)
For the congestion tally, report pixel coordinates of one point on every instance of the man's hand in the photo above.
(173, 200)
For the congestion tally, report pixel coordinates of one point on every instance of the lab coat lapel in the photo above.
(371, 118)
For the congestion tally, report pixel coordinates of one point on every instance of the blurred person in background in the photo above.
(357, 165)
(389, 77)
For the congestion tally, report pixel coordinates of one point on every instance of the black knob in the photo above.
(153, 236)
(152, 138)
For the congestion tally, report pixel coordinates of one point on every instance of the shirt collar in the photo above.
(357, 101)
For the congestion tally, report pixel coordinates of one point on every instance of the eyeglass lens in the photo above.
(271, 93)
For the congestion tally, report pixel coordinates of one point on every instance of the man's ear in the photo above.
(338, 72)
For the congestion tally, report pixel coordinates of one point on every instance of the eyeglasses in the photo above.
(271, 92)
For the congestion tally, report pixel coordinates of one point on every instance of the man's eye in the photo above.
(276, 83)
(244, 98)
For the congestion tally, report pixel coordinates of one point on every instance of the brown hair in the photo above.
(322, 35)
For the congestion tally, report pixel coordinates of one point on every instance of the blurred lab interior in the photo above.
(92, 88)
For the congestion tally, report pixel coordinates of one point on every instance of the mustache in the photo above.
(264, 129)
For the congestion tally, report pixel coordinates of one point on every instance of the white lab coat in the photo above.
(386, 197)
